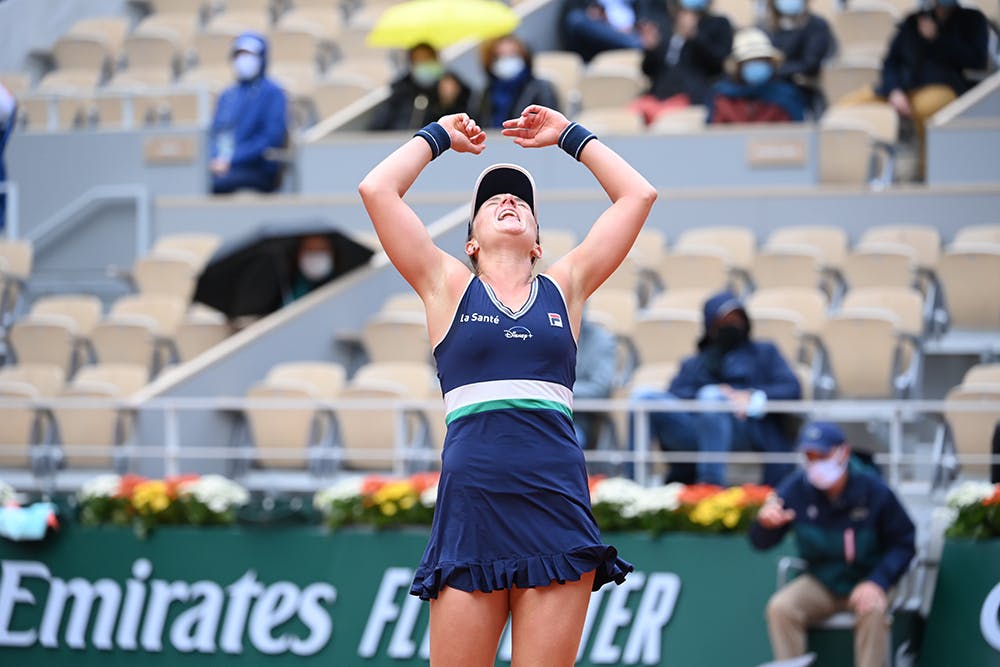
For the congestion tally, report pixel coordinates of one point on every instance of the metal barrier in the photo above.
(406, 453)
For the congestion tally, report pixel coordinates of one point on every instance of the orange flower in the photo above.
(593, 481)
(995, 498)
(422, 481)
(695, 493)
(372, 484)
(128, 483)
(756, 494)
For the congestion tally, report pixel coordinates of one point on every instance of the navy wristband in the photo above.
(436, 137)
(574, 138)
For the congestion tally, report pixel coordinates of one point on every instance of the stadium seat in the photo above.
(782, 327)
(555, 244)
(665, 336)
(737, 244)
(616, 60)
(362, 432)
(81, 429)
(982, 374)
(787, 266)
(741, 13)
(810, 304)
(924, 240)
(564, 70)
(16, 259)
(681, 121)
(700, 267)
(201, 329)
(880, 265)
(403, 302)
(633, 276)
(198, 246)
(609, 89)
(46, 339)
(294, 45)
(338, 92)
(23, 426)
(374, 69)
(83, 309)
(239, 21)
(906, 303)
(181, 27)
(881, 122)
(968, 432)
(829, 241)
(18, 83)
(396, 337)
(875, 369)
(845, 155)
(302, 431)
(842, 77)
(964, 270)
(153, 51)
(649, 249)
(615, 308)
(168, 273)
(186, 7)
(611, 121)
(688, 299)
(863, 32)
(989, 233)
(140, 330)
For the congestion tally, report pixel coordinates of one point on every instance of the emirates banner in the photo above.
(281, 596)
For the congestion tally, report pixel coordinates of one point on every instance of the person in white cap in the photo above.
(513, 534)
(753, 93)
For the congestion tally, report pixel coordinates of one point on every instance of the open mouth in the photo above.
(507, 213)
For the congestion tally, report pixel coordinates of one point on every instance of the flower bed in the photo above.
(973, 510)
(198, 500)
(618, 504)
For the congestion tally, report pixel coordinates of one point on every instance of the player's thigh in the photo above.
(466, 627)
(546, 622)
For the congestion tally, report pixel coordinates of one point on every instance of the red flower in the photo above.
(594, 481)
(372, 484)
(995, 498)
(174, 483)
(756, 494)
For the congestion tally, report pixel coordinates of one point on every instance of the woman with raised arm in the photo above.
(513, 532)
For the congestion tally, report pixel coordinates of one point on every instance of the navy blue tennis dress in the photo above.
(513, 506)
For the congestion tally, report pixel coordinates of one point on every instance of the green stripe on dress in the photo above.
(508, 404)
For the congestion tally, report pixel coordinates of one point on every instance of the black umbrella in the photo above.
(255, 274)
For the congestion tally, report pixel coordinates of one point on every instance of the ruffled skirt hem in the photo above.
(522, 572)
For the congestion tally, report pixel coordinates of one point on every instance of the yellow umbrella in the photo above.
(441, 22)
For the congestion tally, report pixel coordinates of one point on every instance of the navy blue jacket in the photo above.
(912, 62)
(867, 512)
(254, 112)
(751, 365)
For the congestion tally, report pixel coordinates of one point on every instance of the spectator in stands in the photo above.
(738, 374)
(512, 85)
(753, 93)
(250, 121)
(805, 41)
(684, 55)
(925, 68)
(315, 265)
(855, 536)
(425, 93)
(595, 376)
(8, 118)
(592, 26)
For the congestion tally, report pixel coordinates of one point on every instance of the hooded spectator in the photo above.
(753, 93)
(740, 375)
(250, 121)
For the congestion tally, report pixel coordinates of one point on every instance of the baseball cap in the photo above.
(820, 437)
(503, 179)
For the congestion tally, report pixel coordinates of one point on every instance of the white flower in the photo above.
(943, 517)
(7, 493)
(345, 489)
(216, 492)
(969, 493)
(102, 486)
(616, 491)
(658, 499)
(429, 496)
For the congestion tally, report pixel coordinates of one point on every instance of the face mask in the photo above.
(825, 473)
(756, 72)
(316, 265)
(507, 67)
(789, 7)
(730, 336)
(426, 74)
(246, 66)
(694, 5)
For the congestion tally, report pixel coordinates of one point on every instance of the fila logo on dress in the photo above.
(555, 320)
